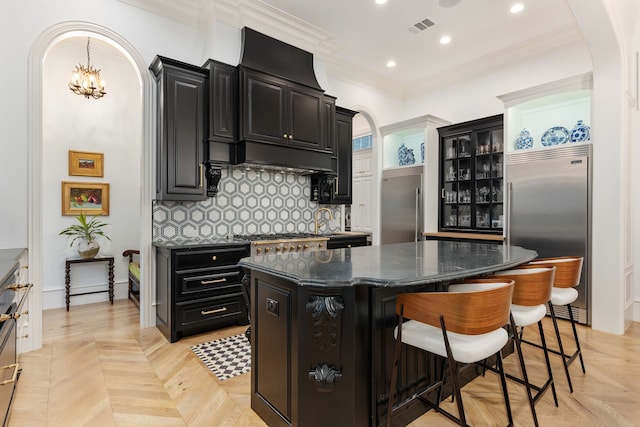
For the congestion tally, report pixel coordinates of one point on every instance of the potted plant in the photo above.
(86, 232)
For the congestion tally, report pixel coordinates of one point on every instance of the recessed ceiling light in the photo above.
(391, 63)
(517, 8)
(381, 1)
(445, 40)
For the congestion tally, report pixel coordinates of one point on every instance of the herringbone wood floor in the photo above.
(98, 368)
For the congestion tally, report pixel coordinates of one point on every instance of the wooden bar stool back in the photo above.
(464, 326)
(532, 292)
(568, 274)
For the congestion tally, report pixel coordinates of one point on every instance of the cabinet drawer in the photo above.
(205, 258)
(211, 311)
(193, 284)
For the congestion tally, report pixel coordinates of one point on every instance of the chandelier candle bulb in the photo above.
(86, 81)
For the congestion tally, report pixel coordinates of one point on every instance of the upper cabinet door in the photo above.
(344, 138)
(305, 117)
(182, 106)
(263, 108)
(278, 111)
(223, 101)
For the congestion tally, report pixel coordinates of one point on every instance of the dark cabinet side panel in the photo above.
(273, 324)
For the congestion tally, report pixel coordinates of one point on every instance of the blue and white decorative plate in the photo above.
(555, 135)
(405, 156)
(580, 132)
(524, 140)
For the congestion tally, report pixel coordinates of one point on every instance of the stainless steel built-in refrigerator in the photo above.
(549, 209)
(401, 205)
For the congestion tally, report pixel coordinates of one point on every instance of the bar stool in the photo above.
(568, 272)
(464, 326)
(532, 291)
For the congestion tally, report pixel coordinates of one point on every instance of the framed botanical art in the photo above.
(82, 163)
(92, 198)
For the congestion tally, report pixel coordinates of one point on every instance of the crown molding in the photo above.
(275, 23)
(522, 52)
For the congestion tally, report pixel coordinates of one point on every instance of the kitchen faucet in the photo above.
(316, 217)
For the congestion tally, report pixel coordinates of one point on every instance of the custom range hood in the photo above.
(285, 119)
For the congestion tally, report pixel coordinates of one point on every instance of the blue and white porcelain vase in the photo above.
(524, 140)
(580, 132)
(405, 156)
(422, 151)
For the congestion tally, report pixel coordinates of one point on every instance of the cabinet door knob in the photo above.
(290, 136)
(214, 258)
(285, 136)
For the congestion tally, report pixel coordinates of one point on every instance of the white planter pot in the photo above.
(88, 249)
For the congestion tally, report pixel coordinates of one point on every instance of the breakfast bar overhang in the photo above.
(322, 326)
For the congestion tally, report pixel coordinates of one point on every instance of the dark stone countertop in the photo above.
(402, 264)
(9, 261)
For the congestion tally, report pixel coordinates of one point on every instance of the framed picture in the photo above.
(89, 197)
(82, 163)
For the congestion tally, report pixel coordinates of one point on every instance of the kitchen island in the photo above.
(322, 327)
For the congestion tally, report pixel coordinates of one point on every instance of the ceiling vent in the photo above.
(421, 25)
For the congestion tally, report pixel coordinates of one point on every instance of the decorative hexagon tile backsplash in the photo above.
(249, 202)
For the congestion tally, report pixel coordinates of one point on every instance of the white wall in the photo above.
(20, 25)
(149, 34)
(112, 126)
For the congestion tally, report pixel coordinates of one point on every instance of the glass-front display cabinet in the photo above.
(471, 176)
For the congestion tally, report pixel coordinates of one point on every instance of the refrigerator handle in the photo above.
(417, 228)
(507, 223)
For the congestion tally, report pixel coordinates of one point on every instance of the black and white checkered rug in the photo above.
(226, 357)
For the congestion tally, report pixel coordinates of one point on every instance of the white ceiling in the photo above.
(358, 37)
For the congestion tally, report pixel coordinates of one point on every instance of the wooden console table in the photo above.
(78, 260)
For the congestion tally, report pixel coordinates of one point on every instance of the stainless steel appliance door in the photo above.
(401, 215)
(549, 210)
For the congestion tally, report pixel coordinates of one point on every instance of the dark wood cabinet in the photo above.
(337, 188)
(200, 289)
(471, 176)
(346, 241)
(344, 153)
(223, 112)
(281, 112)
(182, 109)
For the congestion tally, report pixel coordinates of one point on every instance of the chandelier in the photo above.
(86, 81)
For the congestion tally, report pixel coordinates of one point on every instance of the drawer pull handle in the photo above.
(217, 310)
(214, 258)
(208, 282)
(15, 367)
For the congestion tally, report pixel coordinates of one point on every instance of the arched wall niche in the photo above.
(37, 54)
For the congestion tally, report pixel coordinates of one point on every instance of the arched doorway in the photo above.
(37, 208)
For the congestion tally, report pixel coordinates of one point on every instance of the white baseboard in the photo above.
(54, 298)
(636, 310)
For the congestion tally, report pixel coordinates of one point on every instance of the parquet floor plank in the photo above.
(98, 368)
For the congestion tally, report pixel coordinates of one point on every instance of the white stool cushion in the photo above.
(465, 348)
(474, 287)
(563, 296)
(525, 315)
